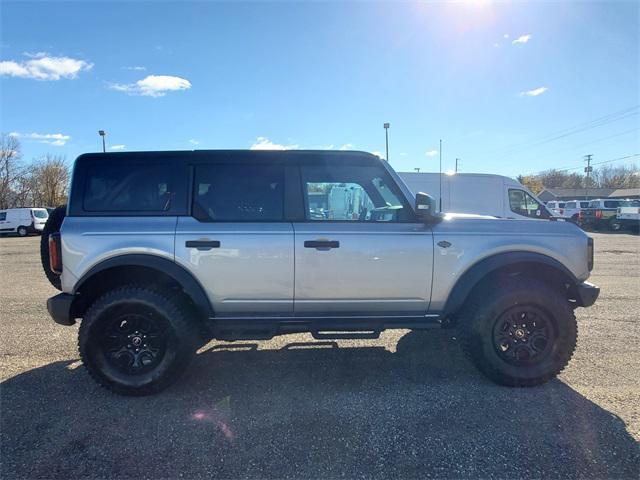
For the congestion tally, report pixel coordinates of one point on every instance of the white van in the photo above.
(23, 220)
(478, 193)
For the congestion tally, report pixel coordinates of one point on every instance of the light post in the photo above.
(103, 134)
(386, 137)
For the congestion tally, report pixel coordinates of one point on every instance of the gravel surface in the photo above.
(405, 405)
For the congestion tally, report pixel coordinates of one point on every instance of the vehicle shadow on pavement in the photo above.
(311, 410)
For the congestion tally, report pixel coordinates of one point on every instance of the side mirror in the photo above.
(425, 208)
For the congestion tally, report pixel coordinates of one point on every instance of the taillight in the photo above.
(562, 211)
(580, 215)
(598, 213)
(590, 253)
(55, 253)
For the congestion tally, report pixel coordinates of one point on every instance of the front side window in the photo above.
(130, 188)
(612, 203)
(524, 204)
(352, 193)
(239, 193)
(40, 213)
(584, 204)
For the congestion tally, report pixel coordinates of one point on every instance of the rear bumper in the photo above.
(59, 308)
(587, 294)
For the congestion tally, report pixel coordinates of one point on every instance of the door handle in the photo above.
(322, 244)
(202, 244)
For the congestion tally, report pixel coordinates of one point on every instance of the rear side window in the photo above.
(3, 216)
(611, 203)
(594, 204)
(584, 204)
(570, 205)
(239, 193)
(134, 188)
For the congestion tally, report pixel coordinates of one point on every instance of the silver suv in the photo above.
(160, 252)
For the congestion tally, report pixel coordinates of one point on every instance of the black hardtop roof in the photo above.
(228, 155)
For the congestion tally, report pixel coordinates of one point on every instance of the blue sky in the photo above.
(498, 82)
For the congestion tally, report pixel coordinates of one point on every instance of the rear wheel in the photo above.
(522, 333)
(136, 341)
(615, 225)
(54, 222)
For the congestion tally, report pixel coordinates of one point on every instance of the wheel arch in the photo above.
(138, 268)
(532, 264)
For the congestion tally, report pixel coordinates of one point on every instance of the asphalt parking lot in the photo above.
(405, 405)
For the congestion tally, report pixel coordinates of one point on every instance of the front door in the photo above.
(237, 242)
(360, 250)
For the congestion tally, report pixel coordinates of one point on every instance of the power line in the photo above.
(578, 128)
(578, 168)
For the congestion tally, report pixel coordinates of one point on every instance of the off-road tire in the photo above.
(181, 341)
(22, 231)
(54, 222)
(485, 307)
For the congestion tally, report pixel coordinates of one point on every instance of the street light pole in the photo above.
(386, 137)
(440, 176)
(102, 133)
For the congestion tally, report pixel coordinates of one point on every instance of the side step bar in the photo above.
(334, 328)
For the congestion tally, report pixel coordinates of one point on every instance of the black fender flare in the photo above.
(473, 275)
(184, 278)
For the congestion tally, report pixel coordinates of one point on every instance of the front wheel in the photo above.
(22, 231)
(615, 225)
(519, 333)
(136, 341)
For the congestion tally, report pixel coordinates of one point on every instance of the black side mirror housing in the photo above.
(426, 208)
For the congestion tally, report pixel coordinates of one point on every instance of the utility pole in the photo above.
(386, 137)
(440, 177)
(588, 169)
(457, 164)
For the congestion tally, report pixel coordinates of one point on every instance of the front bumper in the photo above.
(59, 308)
(587, 294)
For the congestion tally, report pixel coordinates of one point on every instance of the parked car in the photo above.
(627, 216)
(158, 253)
(556, 208)
(601, 214)
(572, 209)
(480, 194)
(23, 221)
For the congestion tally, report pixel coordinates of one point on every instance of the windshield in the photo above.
(40, 213)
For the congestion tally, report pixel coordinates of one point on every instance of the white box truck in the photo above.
(478, 193)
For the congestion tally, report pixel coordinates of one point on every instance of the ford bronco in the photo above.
(159, 252)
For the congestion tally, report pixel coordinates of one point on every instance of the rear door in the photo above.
(359, 249)
(236, 240)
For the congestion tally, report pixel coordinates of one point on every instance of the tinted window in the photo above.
(524, 204)
(242, 193)
(130, 188)
(584, 204)
(352, 193)
(611, 203)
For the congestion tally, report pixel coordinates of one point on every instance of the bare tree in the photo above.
(10, 169)
(48, 179)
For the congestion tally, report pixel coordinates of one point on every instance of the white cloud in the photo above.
(40, 66)
(431, 153)
(535, 92)
(522, 39)
(153, 86)
(136, 68)
(193, 141)
(263, 143)
(346, 146)
(117, 147)
(378, 154)
(55, 139)
(506, 35)
(496, 45)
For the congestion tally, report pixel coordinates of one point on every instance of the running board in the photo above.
(345, 334)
